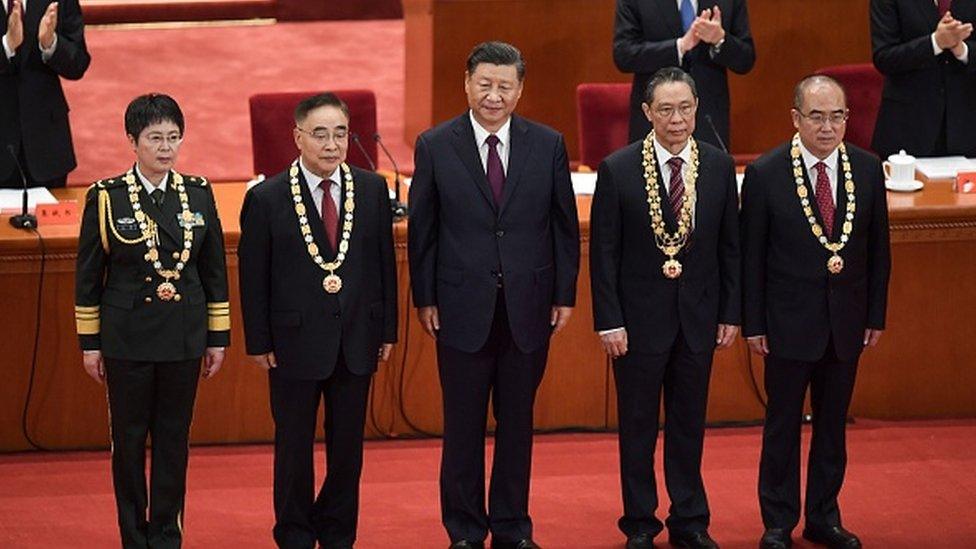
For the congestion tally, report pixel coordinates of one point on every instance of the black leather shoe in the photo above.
(640, 541)
(467, 544)
(694, 540)
(775, 538)
(833, 537)
(520, 544)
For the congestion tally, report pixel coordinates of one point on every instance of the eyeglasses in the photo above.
(835, 118)
(667, 111)
(324, 136)
(157, 139)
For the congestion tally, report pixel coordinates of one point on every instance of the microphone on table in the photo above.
(24, 220)
(399, 208)
(359, 145)
(708, 118)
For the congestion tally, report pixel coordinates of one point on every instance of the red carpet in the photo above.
(211, 71)
(910, 485)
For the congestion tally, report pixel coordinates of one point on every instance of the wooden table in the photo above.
(923, 367)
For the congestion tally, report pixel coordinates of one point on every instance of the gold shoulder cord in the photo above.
(105, 220)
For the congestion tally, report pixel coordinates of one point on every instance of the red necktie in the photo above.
(676, 189)
(825, 198)
(330, 216)
(944, 7)
(495, 170)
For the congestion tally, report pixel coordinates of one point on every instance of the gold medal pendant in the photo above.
(835, 264)
(166, 291)
(671, 268)
(332, 283)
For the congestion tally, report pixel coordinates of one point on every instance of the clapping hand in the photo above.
(47, 27)
(708, 26)
(15, 25)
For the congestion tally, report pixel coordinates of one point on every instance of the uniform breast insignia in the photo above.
(189, 220)
(127, 224)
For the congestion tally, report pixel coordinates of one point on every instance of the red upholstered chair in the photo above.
(863, 83)
(272, 120)
(602, 116)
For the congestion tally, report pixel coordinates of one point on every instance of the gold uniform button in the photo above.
(176, 255)
(177, 297)
(148, 299)
(148, 279)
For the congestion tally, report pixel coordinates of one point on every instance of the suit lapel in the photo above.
(159, 215)
(170, 209)
(929, 11)
(670, 15)
(840, 204)
(520, 147)
(467, 151)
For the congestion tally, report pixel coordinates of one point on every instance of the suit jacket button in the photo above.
(499, 233)
(176, 255)
(148, 299)
(337, 314)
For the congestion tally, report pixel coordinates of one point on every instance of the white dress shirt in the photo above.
(318, 194)
(809, 160)
(504, 135)
(149, 185)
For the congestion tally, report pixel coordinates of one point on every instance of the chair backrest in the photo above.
(863, 83)
(603, 119)
(272, 120)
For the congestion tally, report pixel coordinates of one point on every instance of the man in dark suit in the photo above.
(664, 262)
(816, 262)
(319, 297)
(925, 52)
(494, 254)
(150, 301)
(649, 35)
(43, 41)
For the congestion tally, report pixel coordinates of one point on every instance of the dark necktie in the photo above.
(157, 197)
(330, 215)
(676, 190)
(688, 14)
(944, 7)
(494, 169)
(825, 198)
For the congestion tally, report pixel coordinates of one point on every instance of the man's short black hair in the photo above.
(149, 109)
(496, 53)
(327, 99)
(668, 75)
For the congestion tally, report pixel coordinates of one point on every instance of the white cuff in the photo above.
(936, 50)
(47, 53)
(964, 56)
(610, 331)
(6, 49)
(677, 47)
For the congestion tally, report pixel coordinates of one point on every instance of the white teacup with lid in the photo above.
(900, 171)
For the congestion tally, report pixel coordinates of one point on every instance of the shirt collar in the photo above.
(313, 180)
(149, 185)
(481, 134)
(663, 155)
(809, 160)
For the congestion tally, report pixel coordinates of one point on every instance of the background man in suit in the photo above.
(494, 254)
(150, 301)
(319, 297)
(649, 35)
(661, 326)
(924, 51)
(42, 41)
(815, 280)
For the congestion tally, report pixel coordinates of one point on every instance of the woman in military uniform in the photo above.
(150, 302)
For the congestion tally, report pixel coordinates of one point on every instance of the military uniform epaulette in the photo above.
(195, 180)
(109, 183)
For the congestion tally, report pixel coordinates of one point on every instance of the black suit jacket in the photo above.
(35, 114)
(645, 34)
(788, 294)
(459, 241)
(116, 306)
(921, 88)
(285, 308)
(629, 289)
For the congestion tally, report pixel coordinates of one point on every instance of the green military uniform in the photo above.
(151, 295)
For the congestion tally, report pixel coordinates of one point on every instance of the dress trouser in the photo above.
(150, 399)
(330, 518)
(499, 370)
(831, 383)
(639, 378)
